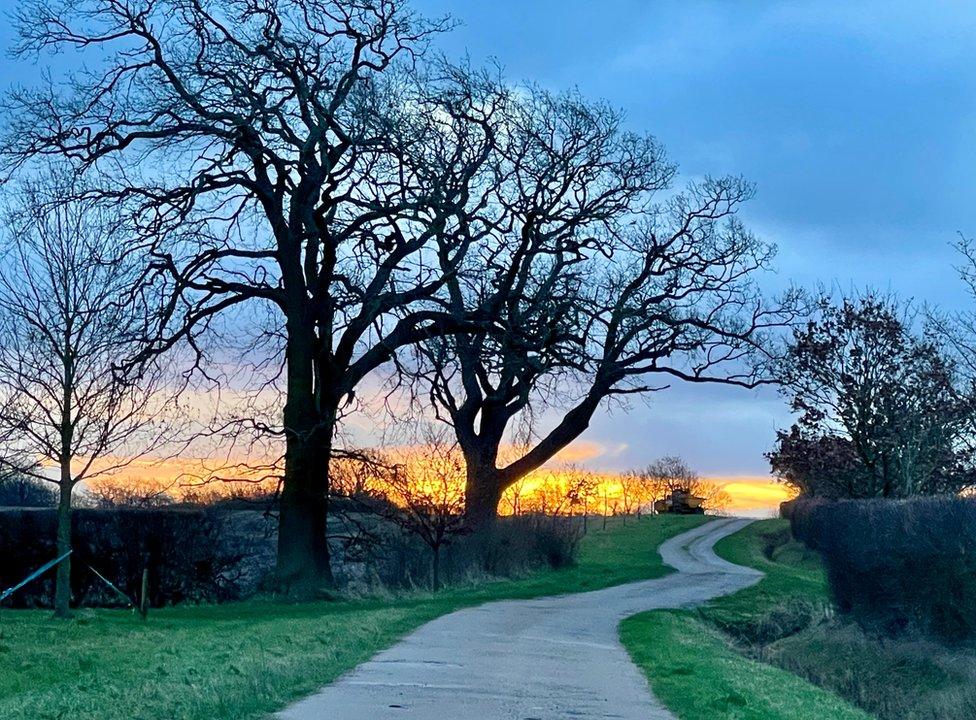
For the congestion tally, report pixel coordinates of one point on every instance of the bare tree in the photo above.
(515, 496)
(635, 491)
(304, 154)
(355, 478)
(598, 290)
(582, 489)
(671, 474)
(958, 330)
(68, 397)
(426, 497)
(133, 492)
(608, 507)
(550, 493)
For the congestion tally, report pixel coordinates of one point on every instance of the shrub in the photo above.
(898, 565)
(513, 546)
(21, 491)
(516, 545)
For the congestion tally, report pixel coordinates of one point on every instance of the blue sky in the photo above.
(856, 121)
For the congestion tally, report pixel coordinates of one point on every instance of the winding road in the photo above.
(546, 659)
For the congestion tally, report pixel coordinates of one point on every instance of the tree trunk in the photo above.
(303, 568)
(436, 568)
(482, 494)
(486, 483)
(62, 582)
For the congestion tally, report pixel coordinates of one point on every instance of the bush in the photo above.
(898, 565)
(193, 555)
(513, 546)
(516, 545)
(903, 679)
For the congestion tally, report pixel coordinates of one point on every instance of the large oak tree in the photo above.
(306, 154)
(603, 278)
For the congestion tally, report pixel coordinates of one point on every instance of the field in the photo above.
(776, 651)
(243, 660)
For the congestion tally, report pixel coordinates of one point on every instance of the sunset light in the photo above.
(185, 479)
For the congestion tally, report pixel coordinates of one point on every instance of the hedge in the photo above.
(192, 555)
(897, 565)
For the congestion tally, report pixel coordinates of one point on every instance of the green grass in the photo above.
(794, 587)
(698, 676)
(694, 668)
(244, 660)
(893, 678)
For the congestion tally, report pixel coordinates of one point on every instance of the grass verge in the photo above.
(690, 659)
(775, 650)
(241, 661)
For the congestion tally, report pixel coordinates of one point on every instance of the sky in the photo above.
(855, 120)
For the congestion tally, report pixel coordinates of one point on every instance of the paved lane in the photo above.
(546, 659)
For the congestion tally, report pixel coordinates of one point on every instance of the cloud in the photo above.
(582, 451)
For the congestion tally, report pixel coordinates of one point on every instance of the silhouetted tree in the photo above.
(68, 397)
(869, 390)
(671, 474)
(516, 496)
(634, 492)
(598, 290)
(426, 497)
(304, 154)
(582, 488)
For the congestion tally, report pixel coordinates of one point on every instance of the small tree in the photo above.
(633, 492)
(426, 498)
(552, 493)
(582, 488)
(70, 321)
(515, 496)
(671, 474)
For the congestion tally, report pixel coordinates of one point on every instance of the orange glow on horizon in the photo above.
(753, 492)
(201, 479)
